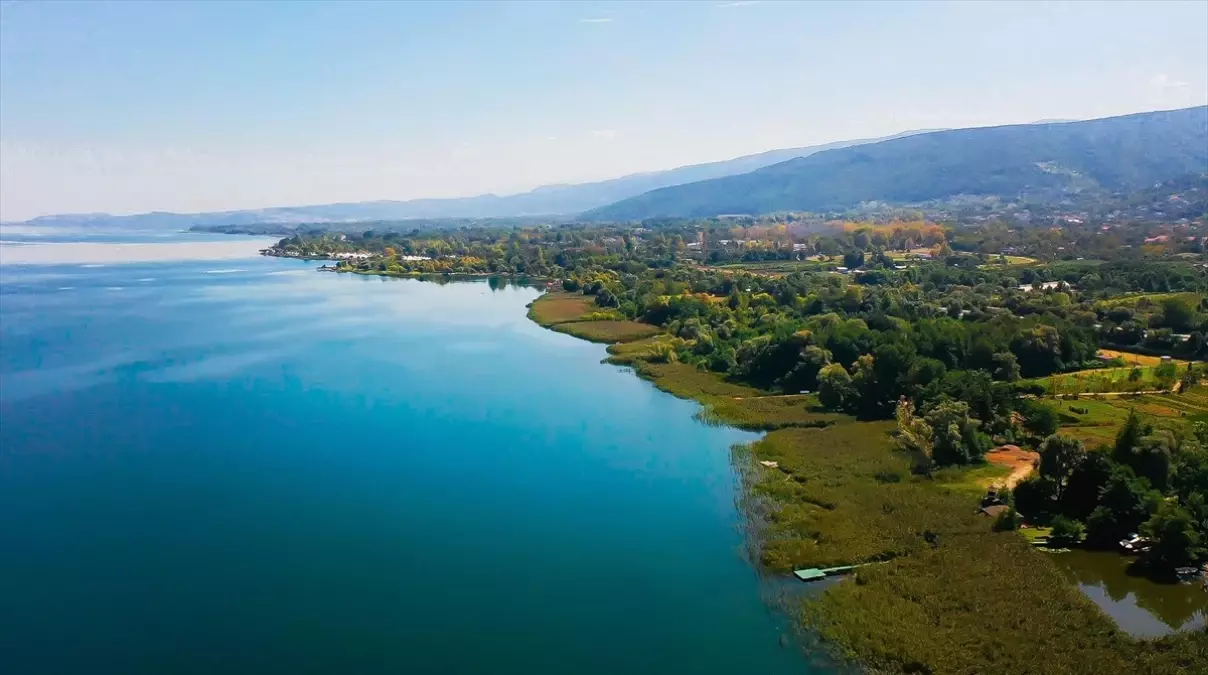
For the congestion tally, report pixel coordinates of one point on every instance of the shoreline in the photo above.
(872, 619)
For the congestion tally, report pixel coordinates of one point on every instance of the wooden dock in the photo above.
(814, 573)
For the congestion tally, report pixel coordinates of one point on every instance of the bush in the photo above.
(1007, 521)
(1066, 532)
(1036, 498)
(1040, 419)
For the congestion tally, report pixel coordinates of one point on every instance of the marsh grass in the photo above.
(954, 597)
(607, 331)
(559, 307)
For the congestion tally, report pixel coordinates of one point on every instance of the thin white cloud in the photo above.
(606, 134)
(1164, 81)
(740, 3)
(596, 20)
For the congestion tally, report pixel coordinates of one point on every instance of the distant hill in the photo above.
(546, 200)
(1113, 154)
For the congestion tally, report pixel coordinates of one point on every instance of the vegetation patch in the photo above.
(843, 496)
(685, 381)
(559, 307)
(1136, 378)
(955, 597)
(607, 331)
(770, 412)
(984, 602)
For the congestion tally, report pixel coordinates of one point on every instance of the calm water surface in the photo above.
(246, 466)
(1139, 606)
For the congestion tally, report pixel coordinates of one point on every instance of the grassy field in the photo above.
(1104, 380)
(776, 267)
(607, 331)
(1151, 298)
(1132, 359)
(558, 307)
(962, 600)
(578, 315)
(685, 381)
(726, 402)
(1103, 418)
(1012, 260)
(765, 414)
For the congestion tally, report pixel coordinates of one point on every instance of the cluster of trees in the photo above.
(957, 311)
(1150, 481)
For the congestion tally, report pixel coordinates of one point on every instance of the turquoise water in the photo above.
(246, 466)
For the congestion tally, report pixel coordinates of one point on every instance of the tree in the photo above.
(915, 436)
(1176, 539)
(956, 437)
(1128, 438)
(1006, 367)
(1007, 521)
(853, 259)
(1177, 314)
(1166, 372)
(1036, 498)
(1059, 457)
(1124, 504)
(1040, 419)
(1066, 531)
(834, 387)
(867, 386)
(1081, 493)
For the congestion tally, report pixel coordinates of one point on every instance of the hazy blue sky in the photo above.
(136, 106)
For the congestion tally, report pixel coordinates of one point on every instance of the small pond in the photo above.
(1139, 606)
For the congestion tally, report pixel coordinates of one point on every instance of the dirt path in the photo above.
(1021, 462)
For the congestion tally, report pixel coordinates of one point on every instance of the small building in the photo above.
(995, 510)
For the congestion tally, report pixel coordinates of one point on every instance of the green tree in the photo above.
(1128, 438)
(956, 436)
(915, 436)
(1007, 521)
(1086, 482)
(1040, 419)
(1125, 503)
(1066, 531)
(1036, 498)
(835, 387)
(1166, 372)
(1177, 314)
(1059, 457)
(1006, 367)
(1177, 541)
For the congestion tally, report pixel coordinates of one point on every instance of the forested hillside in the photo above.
(1111, 155)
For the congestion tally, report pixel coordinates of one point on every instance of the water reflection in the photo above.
(1139, 606)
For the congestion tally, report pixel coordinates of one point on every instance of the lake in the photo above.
(213, 462)
(1141, 607)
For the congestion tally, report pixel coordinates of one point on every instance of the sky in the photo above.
(128, 107)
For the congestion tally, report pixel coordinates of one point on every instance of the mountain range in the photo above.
(1045, 160)
(563, 200)
(1038, 160)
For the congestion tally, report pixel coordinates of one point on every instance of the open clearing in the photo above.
(1020, 462)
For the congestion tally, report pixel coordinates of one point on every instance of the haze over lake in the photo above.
(246, 466)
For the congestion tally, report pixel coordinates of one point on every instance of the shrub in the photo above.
(1066, 531)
